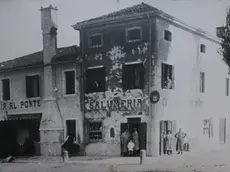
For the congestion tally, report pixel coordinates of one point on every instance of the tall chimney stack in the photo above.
(49, 29)
(51, 126)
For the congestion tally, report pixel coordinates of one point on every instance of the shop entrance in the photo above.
(140, 141)
(166, 126)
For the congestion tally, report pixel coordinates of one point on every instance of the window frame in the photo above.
(127, 30)
(202, 82)
(227, 86)
(173, 76)
(64, 82)
(141, 85)
(40, 85)
(93, 122)
(86, 81)
(170, 34)
(89, 40)
(10, 82)
(202, 48)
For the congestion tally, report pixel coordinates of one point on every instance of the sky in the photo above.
(20, 20)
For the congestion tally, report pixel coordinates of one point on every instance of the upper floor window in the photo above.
(32, 86)
(6, 89)
(95, 40)
(202, 82)
(168, 35)
(167, 76)
(133, 76)
(202, 48)
(70, 82)
(227, 86)
(133, 34)
(95, 79)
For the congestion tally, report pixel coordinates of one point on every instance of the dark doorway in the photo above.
(131, 125)
(71, 128)
(164, 127)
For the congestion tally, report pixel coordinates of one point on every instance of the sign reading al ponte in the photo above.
(26, 104)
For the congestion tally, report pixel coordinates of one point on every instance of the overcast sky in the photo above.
(20, 22)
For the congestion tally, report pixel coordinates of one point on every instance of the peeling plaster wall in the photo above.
(115, 52)
(185, 103)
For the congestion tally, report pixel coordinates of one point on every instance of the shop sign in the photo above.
(115, 104)
(27, 104)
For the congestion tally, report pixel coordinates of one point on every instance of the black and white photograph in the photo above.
(114, 85)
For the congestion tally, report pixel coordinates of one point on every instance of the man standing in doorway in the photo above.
(125, 137)
(135, 137)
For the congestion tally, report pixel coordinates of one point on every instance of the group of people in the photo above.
(130, 143)
(179, 141)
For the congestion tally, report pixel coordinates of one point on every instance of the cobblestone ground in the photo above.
(205, 162)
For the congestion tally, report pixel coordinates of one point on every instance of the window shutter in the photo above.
(27, 87)
(38, 85)
(163, 74)
(222, 130)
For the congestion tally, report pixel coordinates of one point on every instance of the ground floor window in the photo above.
(95, 131)
(208, 127)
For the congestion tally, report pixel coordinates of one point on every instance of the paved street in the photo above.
(204, 162)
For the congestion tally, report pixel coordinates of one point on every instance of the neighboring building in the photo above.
(40, 94)
(131, 55)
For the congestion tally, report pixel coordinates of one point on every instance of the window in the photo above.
(71, 128)
(95, 80)
(222, 130)
(95, 131)
(133, 76)
(70, 82)
(208, 127)
(227, 86)
(167, 76)
(112, 132)
(202, 48)
(202, 82)
(6, 89)
(32, 86)
(133, 35)
(168, 35)
(95, 40)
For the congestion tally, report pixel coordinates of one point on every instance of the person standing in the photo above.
(130, 147)
(168, 142)
(125, 137)
(180, 139)
(135, 137)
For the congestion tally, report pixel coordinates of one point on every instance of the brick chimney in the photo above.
(49, 28)
(51, 126)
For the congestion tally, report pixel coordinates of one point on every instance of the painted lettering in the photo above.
(97, 105)
(91, 105)
(4, 106)
(129, 104)
(22, 104)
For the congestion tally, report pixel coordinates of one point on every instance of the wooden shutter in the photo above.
(143, 135)
(162, 75)
(86, 131)
(222, 130)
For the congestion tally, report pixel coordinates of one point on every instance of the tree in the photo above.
(224, 33)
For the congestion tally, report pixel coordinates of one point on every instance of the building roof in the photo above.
(142, 10)
(136, 9)
(64, 54)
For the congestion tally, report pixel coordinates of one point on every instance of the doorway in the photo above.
(167, 125)
(131, 125)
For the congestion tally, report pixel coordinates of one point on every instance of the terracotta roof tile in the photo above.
(136, 9)
(63, 54)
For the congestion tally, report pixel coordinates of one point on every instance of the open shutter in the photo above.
(162, 75)
(122, 129)
(86, 131)
(143, 135)
(222, 130)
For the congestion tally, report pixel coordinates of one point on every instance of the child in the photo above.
(130, 147)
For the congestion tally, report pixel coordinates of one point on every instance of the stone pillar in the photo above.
(51, 127)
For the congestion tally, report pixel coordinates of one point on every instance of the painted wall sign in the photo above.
(115, 104)
(154, 97)
(21, 105)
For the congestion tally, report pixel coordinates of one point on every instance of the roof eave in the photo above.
(80, 25)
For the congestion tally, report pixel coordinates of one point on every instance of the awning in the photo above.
(20, 117)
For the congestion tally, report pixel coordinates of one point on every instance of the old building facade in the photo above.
(146, 69)
(40, 95)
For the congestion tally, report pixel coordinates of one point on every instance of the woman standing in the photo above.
(180, 139)
(168, 142)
